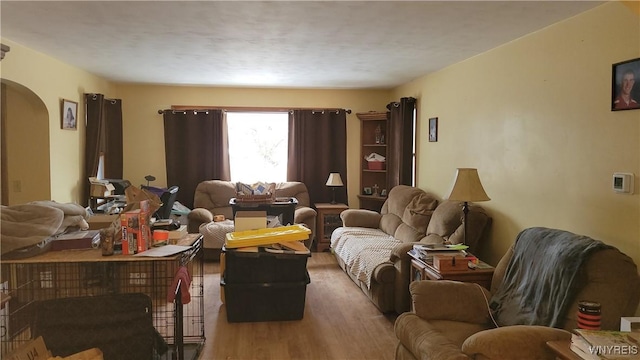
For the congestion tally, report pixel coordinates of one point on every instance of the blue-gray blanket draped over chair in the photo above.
(542, 277)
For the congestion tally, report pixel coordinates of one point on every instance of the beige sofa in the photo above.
(372, 247)
(451, 319)
(212, 198)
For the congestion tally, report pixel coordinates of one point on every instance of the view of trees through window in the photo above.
(258, 146)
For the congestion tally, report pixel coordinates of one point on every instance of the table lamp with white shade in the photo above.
(334, 181)
(467, 188)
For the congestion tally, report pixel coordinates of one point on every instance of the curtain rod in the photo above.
(95, 96)
(244, 108)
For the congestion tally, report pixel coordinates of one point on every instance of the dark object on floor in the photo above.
(275, 301)
(120, 325)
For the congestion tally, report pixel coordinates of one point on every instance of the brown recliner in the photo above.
(451, 320)
(212, 198)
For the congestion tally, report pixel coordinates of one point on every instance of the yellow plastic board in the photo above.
(266, 236)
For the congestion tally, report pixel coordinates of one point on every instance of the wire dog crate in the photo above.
(63, 274)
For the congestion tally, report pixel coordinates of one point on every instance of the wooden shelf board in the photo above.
(373, 198)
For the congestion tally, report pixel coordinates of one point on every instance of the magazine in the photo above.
(602, 344)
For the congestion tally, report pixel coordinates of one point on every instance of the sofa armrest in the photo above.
(360, 218)
(399, 252)
(402, 264)
(423, 341)
(450, 300)
(198, 217)
(514, 342)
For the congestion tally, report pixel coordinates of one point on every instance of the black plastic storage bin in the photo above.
(275, 301)
(264, 267)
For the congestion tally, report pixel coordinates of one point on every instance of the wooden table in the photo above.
(422, 270)
(328, 220)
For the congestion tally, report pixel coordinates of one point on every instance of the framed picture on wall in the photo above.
(625, 87)
(69, 116)
(433, 129)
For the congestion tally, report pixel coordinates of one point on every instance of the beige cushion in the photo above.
(407, 212)
(214, 195)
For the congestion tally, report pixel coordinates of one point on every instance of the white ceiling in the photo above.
(293, 44)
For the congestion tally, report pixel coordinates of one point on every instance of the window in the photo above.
(258, 143)
(100, 175)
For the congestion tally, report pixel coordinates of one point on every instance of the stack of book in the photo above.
(425, 252)
(601, 344)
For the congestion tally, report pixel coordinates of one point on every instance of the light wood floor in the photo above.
(339, 322)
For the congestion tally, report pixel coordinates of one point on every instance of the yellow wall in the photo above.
(51, 81)
(534, 117)
(27, 145)
(144, 133)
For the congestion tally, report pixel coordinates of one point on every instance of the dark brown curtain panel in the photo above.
(196, 149)
(400, 142)
(103, 136)
(318, 147)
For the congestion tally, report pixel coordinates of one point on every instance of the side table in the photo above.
(562, 350)
(422, 270)
(328, 219)
(284, 208)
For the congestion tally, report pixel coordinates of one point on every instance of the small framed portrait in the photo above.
(69, 116)
(625, 90)
(433, 129)
(367, 191)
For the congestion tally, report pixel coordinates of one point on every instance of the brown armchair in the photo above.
(212, 198)
(451, 320)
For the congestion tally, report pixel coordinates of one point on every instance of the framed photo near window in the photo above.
(625, 86)
(69, 116)
(433, 129)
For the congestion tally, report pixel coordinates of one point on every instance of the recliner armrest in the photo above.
(303, 214)
(198, 217)
(307, 216)
(423, 341)
(450, 300)
(360, 218)
(514, 342)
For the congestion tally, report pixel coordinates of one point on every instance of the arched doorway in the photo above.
(25, 146)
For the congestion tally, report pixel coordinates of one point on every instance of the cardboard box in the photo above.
(102, 189)
(97, 222)
(136, 233)
(32, 350)
(178, 234)
(250, 220)
(37, 350)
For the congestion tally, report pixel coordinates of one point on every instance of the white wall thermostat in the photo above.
(623, 183)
